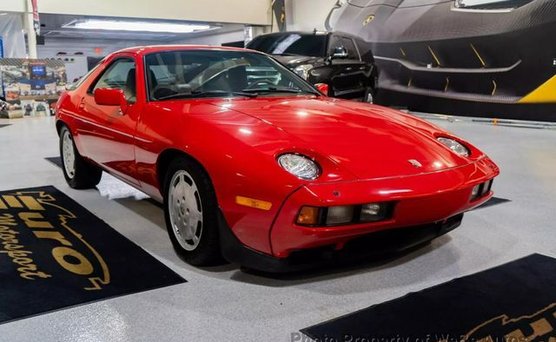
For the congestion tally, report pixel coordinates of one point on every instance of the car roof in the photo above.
(144, 50)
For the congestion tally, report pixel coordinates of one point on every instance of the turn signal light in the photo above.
(308, 216)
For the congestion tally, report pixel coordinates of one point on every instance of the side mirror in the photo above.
(322, 88)
(340, 52)
(110, 97)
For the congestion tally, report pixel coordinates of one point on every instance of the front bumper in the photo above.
(419, 200)
(377, 244)
(425, 206)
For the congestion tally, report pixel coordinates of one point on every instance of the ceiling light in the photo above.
(137, 26)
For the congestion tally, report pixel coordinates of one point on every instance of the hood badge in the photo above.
(368, 20)
(415, 163)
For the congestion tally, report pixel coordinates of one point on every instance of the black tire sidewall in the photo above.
(69, 180)
(369, 91)
(86, 175)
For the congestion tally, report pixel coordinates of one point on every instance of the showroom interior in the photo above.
(278, 170)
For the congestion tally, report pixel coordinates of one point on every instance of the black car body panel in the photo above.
(492, 53)
(311, 56)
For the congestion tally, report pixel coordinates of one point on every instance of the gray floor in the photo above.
(228, 304)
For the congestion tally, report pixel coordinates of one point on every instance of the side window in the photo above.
(334, 42)
(350, 47)
(119, 75)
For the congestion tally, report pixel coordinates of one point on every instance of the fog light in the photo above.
(339, 215)
(475, 191)
(486, 187)
(308, 216)
(371, 212)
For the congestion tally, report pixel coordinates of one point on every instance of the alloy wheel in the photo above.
(185, 209)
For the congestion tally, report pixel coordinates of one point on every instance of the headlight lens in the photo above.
(303, 70)
(454, 146)
(300, 166)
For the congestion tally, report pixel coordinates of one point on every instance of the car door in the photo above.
(350, 76)
(109, 139)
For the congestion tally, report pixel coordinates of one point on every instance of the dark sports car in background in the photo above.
(487, 54)
(343, 62)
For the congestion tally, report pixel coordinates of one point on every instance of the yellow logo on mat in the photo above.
(538, 327)
(69, 249)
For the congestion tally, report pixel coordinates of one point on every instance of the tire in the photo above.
(79, 173)
(369, 96)
(191, 213)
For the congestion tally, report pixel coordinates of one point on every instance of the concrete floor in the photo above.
(225, 303)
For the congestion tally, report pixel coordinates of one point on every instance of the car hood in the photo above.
(295, 60)
(368, 141)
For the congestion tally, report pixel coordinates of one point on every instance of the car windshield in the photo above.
(218, 73)
(313, 45)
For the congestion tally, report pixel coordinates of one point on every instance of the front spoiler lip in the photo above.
(378, 244)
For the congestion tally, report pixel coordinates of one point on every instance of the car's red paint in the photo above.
(363, 151)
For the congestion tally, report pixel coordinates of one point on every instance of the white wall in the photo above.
(216, 39)
(12, 6)
(255, 12)
(307, 15)
(88, 47)
(11, 26)
(71, 46)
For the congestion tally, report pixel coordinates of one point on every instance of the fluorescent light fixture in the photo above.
(136, 26)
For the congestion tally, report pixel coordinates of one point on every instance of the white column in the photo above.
(30, 30)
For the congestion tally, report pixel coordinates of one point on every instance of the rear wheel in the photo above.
(191, 209)
(79, 173)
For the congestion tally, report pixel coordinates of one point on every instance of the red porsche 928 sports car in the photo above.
(256, 165)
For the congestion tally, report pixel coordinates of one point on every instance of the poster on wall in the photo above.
(30, 86)
(492, 58)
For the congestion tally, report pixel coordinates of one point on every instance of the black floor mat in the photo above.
(54, 254)
(517, 299)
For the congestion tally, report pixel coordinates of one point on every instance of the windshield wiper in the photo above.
(206, 93)
(277, 90)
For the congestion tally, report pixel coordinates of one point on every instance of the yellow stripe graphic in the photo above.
(2, 205)
(434, 56)
(543, 94)
(478, 56)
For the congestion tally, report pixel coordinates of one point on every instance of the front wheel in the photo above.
(79, 173)
(369, 96)
(190, 210)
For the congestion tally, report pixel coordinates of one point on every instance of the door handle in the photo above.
(82, 103)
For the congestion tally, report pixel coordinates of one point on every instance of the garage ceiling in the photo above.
(52, 27)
